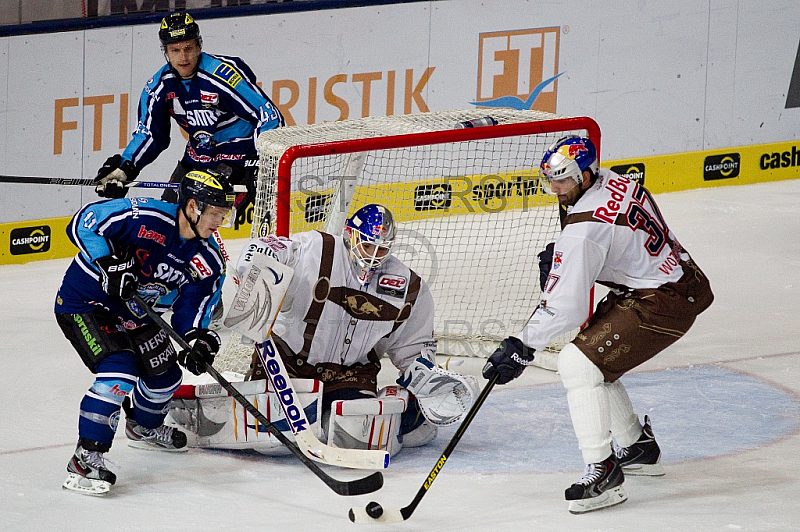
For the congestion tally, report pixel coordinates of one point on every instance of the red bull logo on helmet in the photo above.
(573, 150)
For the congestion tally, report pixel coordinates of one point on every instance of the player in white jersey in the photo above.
(349, 303)
(614, 235)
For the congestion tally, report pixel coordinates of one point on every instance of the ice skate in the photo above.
(600, 487)
(87, 472)
(643, 457)
(163, 438)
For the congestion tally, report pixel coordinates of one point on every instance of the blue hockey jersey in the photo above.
(185, 275)
(221, 109)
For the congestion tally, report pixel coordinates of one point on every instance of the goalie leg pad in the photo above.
(369, 423)
(444, 396)
(215, 420)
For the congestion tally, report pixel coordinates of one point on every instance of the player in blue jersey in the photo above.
(214, 99)
(164, 252)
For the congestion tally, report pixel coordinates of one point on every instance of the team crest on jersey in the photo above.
(209, 99)
(392, 285)
(150, 294)
(557, 259)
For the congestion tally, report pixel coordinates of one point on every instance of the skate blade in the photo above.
(644, 470)
(146, 446)
(85, 485)
(608, 498)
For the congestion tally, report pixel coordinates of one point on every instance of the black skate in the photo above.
(163, 438)
(87, 472)
(600, 486)
(643, 457)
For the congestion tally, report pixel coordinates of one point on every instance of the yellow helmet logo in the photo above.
(204, 178)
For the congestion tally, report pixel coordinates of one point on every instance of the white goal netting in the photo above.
(470, 210)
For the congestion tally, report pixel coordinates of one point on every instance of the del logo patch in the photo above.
(393, 285)
(209, 98)
(200, 267)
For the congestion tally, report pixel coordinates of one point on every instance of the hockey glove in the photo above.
(508, 361)
(113, 175)
(444, 396)
(545, 263)
(117, 276)
(205, 345)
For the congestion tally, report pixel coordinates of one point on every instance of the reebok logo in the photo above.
(518, 69)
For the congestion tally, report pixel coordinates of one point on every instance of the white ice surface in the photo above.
(725, 404)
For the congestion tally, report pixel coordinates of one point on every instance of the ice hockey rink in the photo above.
(724, 400)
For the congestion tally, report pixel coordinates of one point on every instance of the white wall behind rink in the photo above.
(659, 77)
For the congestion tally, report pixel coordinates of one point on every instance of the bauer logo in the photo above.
(518, 69)
(30, 240)
(431, 197)
(725, 166)
(634, 172)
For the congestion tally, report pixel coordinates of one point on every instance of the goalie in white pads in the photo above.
(349, 303)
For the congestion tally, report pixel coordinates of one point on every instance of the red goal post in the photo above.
(468, 203)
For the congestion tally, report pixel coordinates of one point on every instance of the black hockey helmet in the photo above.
(178, 27)
(207, 187)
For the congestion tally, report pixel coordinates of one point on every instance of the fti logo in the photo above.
(518, 69)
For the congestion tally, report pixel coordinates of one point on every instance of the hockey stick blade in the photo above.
(367, 516)
(359, 486)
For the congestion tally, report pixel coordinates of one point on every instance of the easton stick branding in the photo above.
(435, 471)
(285, 392)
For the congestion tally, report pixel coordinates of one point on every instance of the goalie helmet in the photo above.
(178, 27)
(568, 157)
(369, 235)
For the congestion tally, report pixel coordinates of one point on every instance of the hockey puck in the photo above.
(374, 510)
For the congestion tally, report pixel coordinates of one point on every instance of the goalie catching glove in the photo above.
(509, 360)
(205, 345)
(112, 176)
(444, 397)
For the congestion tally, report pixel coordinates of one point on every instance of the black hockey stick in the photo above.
(360, 486)
(374, 512)
(89, 182)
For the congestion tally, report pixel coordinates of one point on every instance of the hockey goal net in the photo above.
(468, 203)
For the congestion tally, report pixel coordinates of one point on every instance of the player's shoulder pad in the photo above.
(217, 67)
(158, 78)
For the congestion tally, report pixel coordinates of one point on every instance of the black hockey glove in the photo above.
(205, 344)
(113, 175)
(245, 199)
(117, 276)
(508, 360)
(545, 263)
